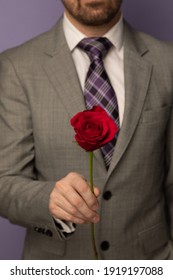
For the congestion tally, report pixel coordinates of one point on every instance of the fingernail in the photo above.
(96, 219)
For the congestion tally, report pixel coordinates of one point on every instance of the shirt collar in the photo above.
(74, 36)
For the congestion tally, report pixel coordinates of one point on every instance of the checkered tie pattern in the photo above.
(98, 90)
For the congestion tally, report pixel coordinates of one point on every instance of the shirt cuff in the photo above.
(66, 229)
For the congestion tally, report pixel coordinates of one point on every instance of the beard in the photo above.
(95, 13)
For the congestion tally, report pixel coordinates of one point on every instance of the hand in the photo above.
(72, 200)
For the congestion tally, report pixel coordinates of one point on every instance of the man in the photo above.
(43, 173)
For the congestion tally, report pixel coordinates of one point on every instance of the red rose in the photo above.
(94, 128)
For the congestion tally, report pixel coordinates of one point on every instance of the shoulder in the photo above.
(35, 47)
(156, 47)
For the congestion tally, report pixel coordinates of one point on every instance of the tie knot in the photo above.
(96, 48)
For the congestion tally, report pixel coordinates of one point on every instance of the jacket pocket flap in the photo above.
(154, 237)
(157, 115)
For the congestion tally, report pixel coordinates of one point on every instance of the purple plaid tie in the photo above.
(98, 89)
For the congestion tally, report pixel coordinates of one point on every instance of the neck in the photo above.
(93, 31)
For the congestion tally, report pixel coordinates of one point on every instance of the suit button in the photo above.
(36, 229)
(107, 195)
(49, 233)
(105, 245)
(39, 230)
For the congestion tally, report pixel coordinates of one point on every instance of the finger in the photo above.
(78, 201)
(60, 212)
(66, 198)
(80, 209)
(73, 203)
(97, 192)
(83, 189)
(63, 215)
(74, 206)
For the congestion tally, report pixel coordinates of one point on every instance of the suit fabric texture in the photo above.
(39, 93)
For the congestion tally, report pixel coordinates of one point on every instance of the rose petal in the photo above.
(94, 128)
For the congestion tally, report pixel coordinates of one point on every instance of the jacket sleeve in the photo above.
(23, 199)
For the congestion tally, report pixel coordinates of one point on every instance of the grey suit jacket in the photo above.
(39, 93)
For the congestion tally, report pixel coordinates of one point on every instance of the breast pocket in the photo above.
(156, 115)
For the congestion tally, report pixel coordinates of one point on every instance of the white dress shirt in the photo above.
(113, 62)
(114, 65)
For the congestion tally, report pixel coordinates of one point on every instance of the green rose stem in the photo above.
(92, 189)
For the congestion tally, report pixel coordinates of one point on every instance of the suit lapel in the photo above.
(61, 72)
(137, 77)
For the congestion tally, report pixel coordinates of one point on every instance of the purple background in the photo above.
(21, 20)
